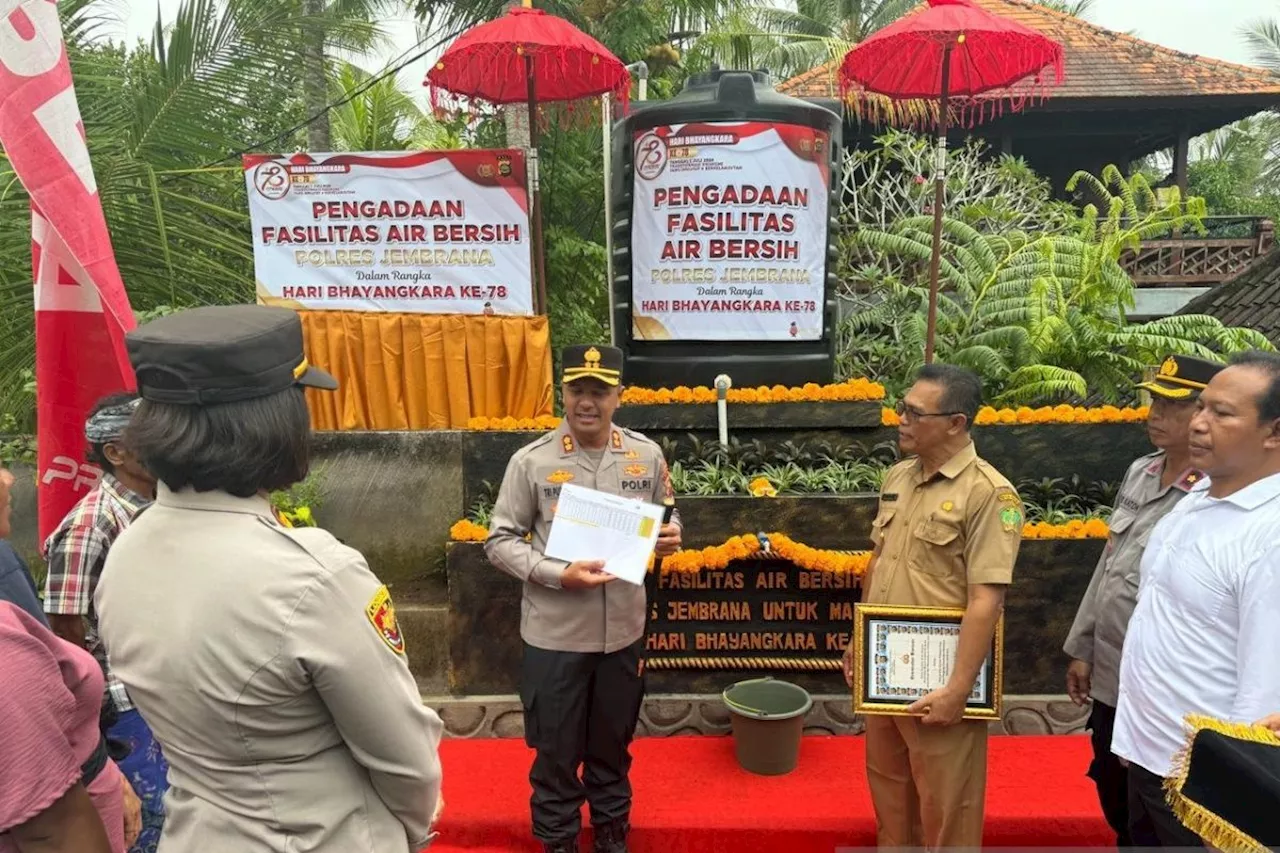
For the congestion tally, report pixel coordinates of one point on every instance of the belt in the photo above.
(96, 763)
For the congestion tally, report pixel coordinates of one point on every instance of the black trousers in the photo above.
(1109, 776)
(580, 713)
(1152, 822)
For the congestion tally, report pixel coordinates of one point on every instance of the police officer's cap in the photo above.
(1181, 377)
(221, 354)
(591, 362)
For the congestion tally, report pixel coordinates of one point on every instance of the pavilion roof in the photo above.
(1100, 64)
(1251, 299)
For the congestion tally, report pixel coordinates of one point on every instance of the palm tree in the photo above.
(1263, 38)
(165, 124)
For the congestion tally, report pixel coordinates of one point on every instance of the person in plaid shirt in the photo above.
(76, 553)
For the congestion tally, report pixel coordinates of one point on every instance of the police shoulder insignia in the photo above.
(566, 442)
(636, 470)
(615, 439)
(559, 476)
(382, 615)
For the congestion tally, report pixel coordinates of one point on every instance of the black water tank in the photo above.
(735, 267)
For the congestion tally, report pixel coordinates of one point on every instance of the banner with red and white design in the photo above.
(729, 235)
(82, 310)
(434, 232)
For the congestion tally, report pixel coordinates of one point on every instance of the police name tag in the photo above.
(591, 525)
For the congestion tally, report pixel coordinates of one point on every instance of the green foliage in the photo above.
(164, 121)
(1236, 169)
(1058, 500)
(301, 501)
(724, 478)
(1041, 319)
(692, 452)
(893, 181)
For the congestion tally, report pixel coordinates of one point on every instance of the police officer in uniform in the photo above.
(1152, 487)
(582, 680)
(267, 660)
(946, 535)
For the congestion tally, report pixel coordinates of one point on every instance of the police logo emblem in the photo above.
(559, 476)
(636, 470)
(382, 615)
(1169, 368)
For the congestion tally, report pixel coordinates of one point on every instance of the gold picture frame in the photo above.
(871, 692)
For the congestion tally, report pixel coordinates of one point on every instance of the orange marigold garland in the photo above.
(467, 530)
(852, 390)
(988, 416)
(716, 557)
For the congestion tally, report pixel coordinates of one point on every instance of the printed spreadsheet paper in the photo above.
(591, 525)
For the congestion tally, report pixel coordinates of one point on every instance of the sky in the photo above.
(1204, 27)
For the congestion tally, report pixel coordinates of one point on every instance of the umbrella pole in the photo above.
(539, 244)
(939, 196)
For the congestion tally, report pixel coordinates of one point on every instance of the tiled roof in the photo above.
(1100, 63)
(1251, 299)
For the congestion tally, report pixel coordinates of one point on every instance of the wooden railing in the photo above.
(1229, 247)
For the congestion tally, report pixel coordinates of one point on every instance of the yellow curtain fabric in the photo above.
(426, 371)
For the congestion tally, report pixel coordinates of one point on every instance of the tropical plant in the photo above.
(1041, 319)
(892, 181)
(165, 123)
(1075, 8)
(789, 41)
(382, 117)
(1263, 38)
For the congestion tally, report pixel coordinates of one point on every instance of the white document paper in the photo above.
(591, 525)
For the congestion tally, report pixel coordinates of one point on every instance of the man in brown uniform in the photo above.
(946, 535)
(582, 681)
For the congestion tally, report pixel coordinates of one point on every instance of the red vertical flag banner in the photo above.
(82, 310)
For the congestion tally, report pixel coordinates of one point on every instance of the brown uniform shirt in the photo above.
(604, 619)
(933, 539)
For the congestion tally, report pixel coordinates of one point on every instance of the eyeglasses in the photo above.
(909, 414)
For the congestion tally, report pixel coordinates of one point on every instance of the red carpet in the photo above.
(692, 797)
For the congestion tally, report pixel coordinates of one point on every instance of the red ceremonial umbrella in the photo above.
(529, 56)
(962, 56)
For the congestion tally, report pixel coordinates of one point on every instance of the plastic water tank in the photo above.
(724, 233)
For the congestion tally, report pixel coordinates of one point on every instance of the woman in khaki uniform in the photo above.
(267, 660)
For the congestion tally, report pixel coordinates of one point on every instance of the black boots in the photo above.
(561, 847)
(612, 837)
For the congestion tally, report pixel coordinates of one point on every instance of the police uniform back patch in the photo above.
(382, 615)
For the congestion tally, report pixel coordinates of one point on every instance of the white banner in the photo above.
(433, 232)
(729, 235)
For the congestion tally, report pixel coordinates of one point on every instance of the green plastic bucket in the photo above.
(767, 716)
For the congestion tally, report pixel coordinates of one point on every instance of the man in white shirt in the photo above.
(1205, 636)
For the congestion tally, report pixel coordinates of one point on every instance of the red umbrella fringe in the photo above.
(967, 112)
(582, 114)
(550, 63)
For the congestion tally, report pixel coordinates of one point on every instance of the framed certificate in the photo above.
(903, 653)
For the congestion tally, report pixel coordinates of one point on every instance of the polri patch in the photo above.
(382, 615)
